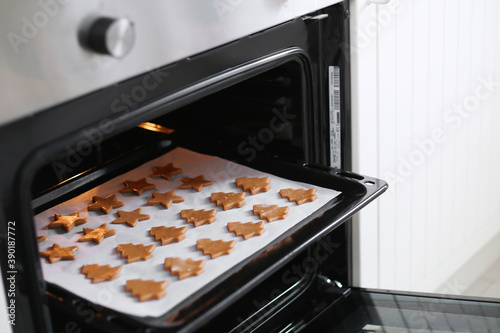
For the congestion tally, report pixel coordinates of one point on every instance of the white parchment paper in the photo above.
(112, 294)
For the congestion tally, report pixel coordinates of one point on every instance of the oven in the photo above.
(103, 93)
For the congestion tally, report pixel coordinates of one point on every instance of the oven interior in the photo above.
(265, 115)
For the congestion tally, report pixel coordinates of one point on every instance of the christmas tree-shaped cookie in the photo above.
(254, 185)
(270, 212)
(184, 268)
(228, 200)
(246, 230)
(300, 195)
(146, 290)
(215, 248)
(199, 217)
(98, 273)
(167, 235)
(135, 252)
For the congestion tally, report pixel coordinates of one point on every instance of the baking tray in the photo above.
(356, 192)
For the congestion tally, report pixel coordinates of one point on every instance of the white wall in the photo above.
(426, 104)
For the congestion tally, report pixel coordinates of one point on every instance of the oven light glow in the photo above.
(155, 128)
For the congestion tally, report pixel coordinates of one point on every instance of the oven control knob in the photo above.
(114, 37)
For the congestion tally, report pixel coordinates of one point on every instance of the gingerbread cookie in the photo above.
(199, 217)
(130, 218)
(146, 290)
(300, 196)
(67, 222)
(228, 200)
(215, 248)
(167, 235)
(184, 268)
(246, 230)
(270, 212)
(59, 253)
(165, 199)
(99, 273)
(96, 235)
(196, 183)
(166, 171)
(105, 205)
(137, 187)
(254, 185)
(134, 253)
(40, 239)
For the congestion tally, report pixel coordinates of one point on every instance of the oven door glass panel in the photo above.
(378, 311)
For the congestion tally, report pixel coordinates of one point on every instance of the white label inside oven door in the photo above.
(334, 90)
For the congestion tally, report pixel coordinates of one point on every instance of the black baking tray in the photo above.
(356, 192)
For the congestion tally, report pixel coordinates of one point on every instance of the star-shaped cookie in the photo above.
(166, 171)
(215, 248)
(59, 253)
(246, 230)
(254, 185)
(270, 212)
(228, 200)
(137, 187)
(96, 235)
(199, 217)
(67, 222)
(184, 268)
(168, 235)
(133, 252)
(146, 290)
(130, 218)
(165, 199)
(196, 183)
(98, 273)
(300, 195)
(105, 205)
